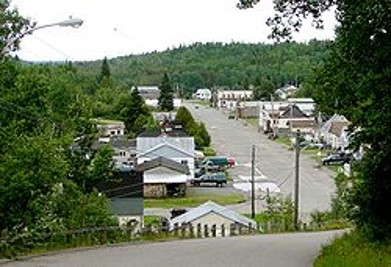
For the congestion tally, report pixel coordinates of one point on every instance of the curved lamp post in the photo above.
(71, 22)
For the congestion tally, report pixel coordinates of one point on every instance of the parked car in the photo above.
(217, 178)
(338, 158)
(312, 145)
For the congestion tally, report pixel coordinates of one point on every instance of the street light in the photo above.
(71, 22)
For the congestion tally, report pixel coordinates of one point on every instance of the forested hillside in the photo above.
(215, 64)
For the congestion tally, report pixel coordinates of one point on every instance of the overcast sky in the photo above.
(122, 27)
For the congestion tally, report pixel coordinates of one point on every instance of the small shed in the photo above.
(211, 213)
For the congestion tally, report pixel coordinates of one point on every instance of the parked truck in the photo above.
(217, 178)
(218, 161)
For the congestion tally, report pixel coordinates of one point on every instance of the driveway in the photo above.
(280, 250)
(234, 138)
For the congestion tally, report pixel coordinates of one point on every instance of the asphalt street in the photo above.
(234, 138)
(280, 250)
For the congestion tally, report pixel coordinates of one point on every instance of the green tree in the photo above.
(355, 81)
(263, 88)
(12, 28)
(184, 117)
(166, 96)
(104, 71)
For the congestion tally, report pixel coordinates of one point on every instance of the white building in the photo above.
(209, 214)
(230, 99)
(179, 149)
(203, 93)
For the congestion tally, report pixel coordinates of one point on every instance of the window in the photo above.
(184, 162)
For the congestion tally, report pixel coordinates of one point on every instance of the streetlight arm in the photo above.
(71, 22)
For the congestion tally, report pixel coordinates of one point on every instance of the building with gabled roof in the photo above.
(211, 213)
(163, 177)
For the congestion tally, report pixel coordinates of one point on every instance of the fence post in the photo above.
(176, 229)
(199, 234)
(214, 230)
(191, 228)
(183, 230)
(240, 229)
(206, 231)
(223, 230)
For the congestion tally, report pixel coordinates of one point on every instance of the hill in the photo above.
(234, 65)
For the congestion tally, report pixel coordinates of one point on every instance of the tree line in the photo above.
(233, 65)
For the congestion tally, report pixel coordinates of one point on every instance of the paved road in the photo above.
(234, 138)
(262, 250)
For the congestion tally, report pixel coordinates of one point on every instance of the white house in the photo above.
(292, 119)
(209, 214)
(286, 91)
(179, 149)
(323, 132)
(268, 113)
(203, 93)
(108, 128)
(155, 102)
(306, 105)
(230, 98)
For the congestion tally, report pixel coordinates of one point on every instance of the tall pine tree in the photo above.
(166, 97)
(105, 71)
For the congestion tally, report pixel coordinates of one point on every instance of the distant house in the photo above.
(124, 149)
(285, 92)
(230, 99)
(175, 149)
(277, 115)
(292, 119)
(306, 105)
(248, 109)
(163, 177)
(155, 102)
(209, 214)
(324, 129)
(203, 93)
(108, 128)
(338, 136)
(148, 92)
(164, 116)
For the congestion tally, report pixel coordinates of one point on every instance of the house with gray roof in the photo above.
(163, 177)
(211, 213)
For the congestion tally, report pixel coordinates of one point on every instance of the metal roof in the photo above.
(163, 162)
(210, 207)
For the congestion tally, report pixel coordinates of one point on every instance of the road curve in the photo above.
(278, 250)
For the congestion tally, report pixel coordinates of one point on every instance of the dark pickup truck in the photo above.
(217, 178)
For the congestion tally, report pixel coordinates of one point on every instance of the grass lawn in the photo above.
(353, 251)
(285, 141)
(192, 201)
(252, 121)
(151, 220)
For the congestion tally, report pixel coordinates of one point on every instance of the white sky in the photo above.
(122, 27)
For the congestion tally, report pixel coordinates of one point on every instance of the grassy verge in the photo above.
(151, 220)
(192, 201)
(285, 141)
(352, 250)
(251, 121)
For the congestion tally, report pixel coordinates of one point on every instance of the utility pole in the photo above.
(253, 182)
(296, 192)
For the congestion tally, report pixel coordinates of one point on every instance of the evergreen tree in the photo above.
(166, 96)
(104, 71)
